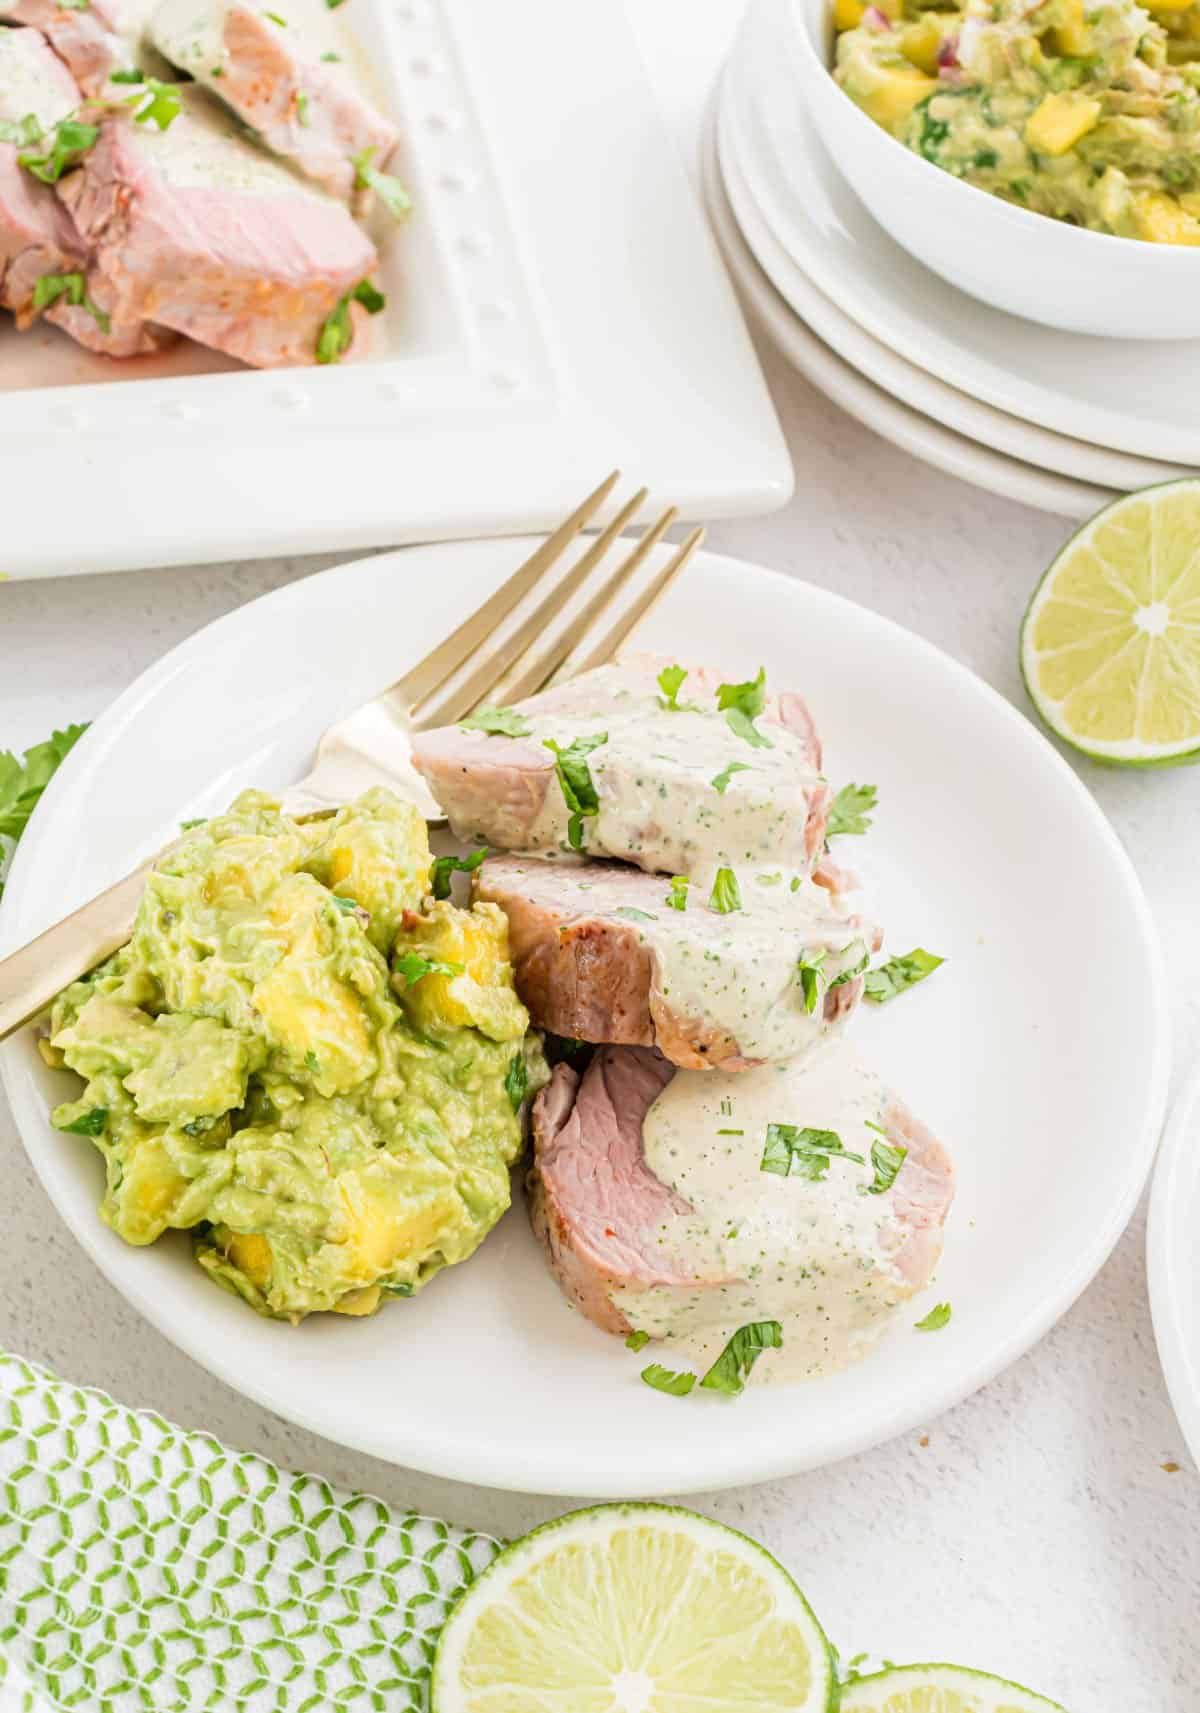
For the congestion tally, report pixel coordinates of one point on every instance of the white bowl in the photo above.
(1027, 264)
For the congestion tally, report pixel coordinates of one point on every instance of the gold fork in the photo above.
(538, 627)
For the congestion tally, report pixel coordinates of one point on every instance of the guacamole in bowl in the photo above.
(304, 1059)
(1089, 115)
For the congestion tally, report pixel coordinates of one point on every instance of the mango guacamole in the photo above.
(303, 1058)
(1088, 114)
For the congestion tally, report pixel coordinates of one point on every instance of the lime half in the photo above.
(1110, 646)
(940, 1689)
(633, 1609)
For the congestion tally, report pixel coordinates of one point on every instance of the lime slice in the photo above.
(940, 1689)
(1110, 646)
(633, 1609)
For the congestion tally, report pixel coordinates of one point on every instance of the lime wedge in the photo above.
(1110, 646)
(633, 1609)
(940, 1689)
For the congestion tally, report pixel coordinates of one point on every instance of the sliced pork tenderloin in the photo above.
(195, 227)
(675, 788)
(604, 952)
(657, 1216)
(44, 263)
(92, 40)
(266, 64)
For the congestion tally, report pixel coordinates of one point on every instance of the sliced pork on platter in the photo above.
(613, 764)
(93, 39)
(45, 267)
(685, 1206)
(604, 952)
(195, 227)
(270, 66)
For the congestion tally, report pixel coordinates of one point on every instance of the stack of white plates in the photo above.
(1053, 419)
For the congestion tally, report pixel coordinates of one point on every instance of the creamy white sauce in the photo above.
(191, 33)
(206, 149)
(28, 83)
(812, 1255)
(654, 777)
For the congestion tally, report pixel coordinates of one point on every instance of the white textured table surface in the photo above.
(1034, 1530)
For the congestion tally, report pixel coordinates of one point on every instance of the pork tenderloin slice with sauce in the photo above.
(677, 788)
(656, 1215)
(91, 40)
(600, 954)
(37, 236)
(266, 65)
(197, 228)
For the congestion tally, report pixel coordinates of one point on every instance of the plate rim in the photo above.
(514, 1469)
(1166, 1252)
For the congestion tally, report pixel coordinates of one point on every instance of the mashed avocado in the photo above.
(304, 1059)
(1091, 115)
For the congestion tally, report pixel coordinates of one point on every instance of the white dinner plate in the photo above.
(737, 131)
(555, 306)
(1134, 395)
(987, 849)
(871, 405)
(1173, 1260)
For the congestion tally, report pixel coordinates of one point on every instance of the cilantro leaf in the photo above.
(575, 778)
(72, 5)
(302, 114)
(663, 1380)
(632, 915)
(276, 19)
(676, 899)
(743, 727)
(337, 331)
(721, 780)
(850, 810)
(726, 895)
(742, 704)
(347, 906)
(88, 1123)
(387, 188)
(131, 74)
(331, 58)
(414, 968)
(637, 1341)
(670, 682)
(793, 1152)
(22, 782)
(312, 1062)
(893, 977)
(809, 966)
(498, 722)
(73, 287)
(887, 1159)
(197, 821)
(936, 1319)
(69, 141)
(516, 1080)
(852, 970)
(156, 104)
(731, 1370)
(22, 132)
(445, 866)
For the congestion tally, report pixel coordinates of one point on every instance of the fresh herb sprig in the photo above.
(898, 974)
(851, 809)
(386, 186)
(742, 704)
(575, 781)
(22, 782)
(337, 331)
(444, 866)
(792, 1151)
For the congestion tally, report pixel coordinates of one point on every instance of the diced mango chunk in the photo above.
(920, 42)
(1162, 6)
(251, 1253)
(1072, 34)
(1059, 121)
(892, 93)
(1161, 220)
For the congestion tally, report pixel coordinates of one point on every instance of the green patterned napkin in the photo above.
(142, 1567)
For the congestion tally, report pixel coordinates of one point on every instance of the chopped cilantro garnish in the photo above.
(72, 5)
(721, 780)
(347, 906)
(575, 779)
(196, 821)
(632, 915)
(809, 966)
(131, 74)
(637, 1341)
(887, 1159)
(677, 897)
(936, 1319)
(334, 4)
(88, 1123)
(387, 188)
(731, 1370)
(726, 895)
(398, 1290)
(893, 977)
(302, 109)
(414, 968)
(69, 142)
(276, 19)
(850, 811)
(445, 866)
(313, 1063)
(332, 58)
(73, 287)
(22, 132)
(854, 970)
(516, 1080)
(22, 782)
(663, 1380)
(156, 104)
(731, 1132)
(742, 704)
(337, 333)
(497, 722)
(670, 682)
(792, 1152)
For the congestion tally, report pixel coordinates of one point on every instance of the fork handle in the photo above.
(32, 976)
